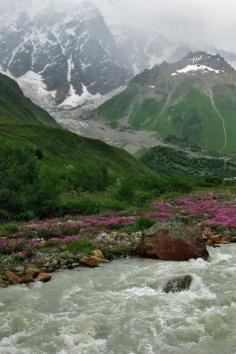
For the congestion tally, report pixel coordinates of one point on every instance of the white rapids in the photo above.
(121, 309)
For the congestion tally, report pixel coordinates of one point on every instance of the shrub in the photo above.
(125, 190)
(83, 246)
(26, 189)
(89, 178)
(179, 184)
(144, 223)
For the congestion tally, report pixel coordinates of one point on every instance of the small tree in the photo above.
(125, 190)
(25, 187)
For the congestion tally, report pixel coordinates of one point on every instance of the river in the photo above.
(121, 309)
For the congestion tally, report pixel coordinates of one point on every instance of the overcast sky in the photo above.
(210, 22)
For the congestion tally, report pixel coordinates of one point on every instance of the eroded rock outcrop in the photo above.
(173, 241)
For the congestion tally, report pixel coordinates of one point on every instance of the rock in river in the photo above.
(174, 241)
(178, 284)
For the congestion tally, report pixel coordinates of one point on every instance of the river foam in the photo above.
(120, 308)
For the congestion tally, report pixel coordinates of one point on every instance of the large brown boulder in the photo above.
(174, 241)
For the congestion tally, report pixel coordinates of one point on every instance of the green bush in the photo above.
(125, 190)
(210, 181)
(179, 184)
(88, 179)
(26, 189)
(83, 246)
(144, 223)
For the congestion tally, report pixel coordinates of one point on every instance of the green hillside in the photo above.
(15, 108)
(186, 163)
(198, 105)
(63, 151)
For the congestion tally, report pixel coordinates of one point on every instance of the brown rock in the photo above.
(33, 272)
(1, 282)
(207, 233)
(210, 242)
(225, 240)
(92, 261)
(173, 241)
(216, 239)
(26, 279)
(44, 277)
(13, 278)
(98, 254)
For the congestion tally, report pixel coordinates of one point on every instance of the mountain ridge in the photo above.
(193, 98)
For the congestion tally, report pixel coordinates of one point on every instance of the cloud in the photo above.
(192, 22)
(206, 22)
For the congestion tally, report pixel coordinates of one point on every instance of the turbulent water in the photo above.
(120, 309)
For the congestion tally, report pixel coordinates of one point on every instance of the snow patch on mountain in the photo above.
(34, 87)
(74, 100)
(196, 67)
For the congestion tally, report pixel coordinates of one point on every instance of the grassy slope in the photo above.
(64, 150)
(15, 108)
(192, 118)
(176, 162)
(118, 106)
(225, 100)
(23, 121)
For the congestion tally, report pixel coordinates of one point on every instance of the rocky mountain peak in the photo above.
(66, 54)
(203, 61)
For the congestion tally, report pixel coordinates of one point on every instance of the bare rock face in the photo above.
(173, 241)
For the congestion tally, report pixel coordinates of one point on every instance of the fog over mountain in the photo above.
(204, 23)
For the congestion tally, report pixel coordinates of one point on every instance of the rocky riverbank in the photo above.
(179, 229)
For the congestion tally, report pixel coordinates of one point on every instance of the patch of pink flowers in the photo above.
(211, 207)
(111, 221)
(224, 217)
(200, 206)
(163, 211)
(12, 244)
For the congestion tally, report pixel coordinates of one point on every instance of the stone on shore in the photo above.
(13, 278)
(92, 261)
(1, 282)
(44, 277)
(173, 241)
(98, 254)
(32, 272)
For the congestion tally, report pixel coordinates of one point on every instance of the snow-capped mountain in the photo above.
(63, 55)
(68, 55)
